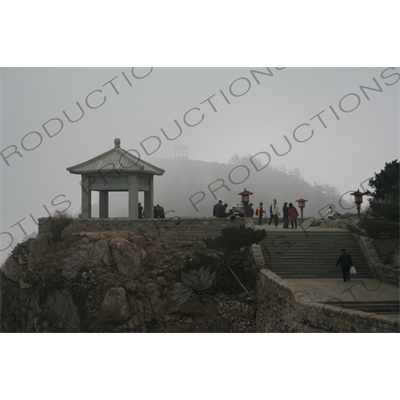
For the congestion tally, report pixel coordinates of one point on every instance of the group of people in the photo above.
(290, 213)
(158, 211)
(219, 210)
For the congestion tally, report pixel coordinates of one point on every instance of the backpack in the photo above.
(257, 211)
(270, 209)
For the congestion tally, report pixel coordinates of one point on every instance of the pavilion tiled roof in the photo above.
(116, 159)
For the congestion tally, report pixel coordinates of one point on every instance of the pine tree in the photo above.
(383, 214)
(385, 197)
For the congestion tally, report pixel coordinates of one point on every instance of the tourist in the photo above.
(271, 214)
(250, 210)
(160, 211)
(345, 262)
(293, 214)
(329, 213)
(275, 212)
(226, 213)
(259, 212)
(285, 210)
(219, 210)
(155, 212)
(140, 211)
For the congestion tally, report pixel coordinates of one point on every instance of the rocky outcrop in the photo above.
(110, 281)
(89, 282)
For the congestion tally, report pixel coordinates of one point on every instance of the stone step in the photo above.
(316, 275)
(382, 307)
(314, 255)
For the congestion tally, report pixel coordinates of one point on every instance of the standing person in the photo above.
(275, 212)
(140, 211)
(293, 214)
(259, 212)
(155, 212)
(160, 211)
(271, 214)
(219, 210)
(250, 210)
(285, 210)
(345, 262)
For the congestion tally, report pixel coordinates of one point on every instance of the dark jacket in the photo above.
(219, 211)
(250, 211)
(344, 260)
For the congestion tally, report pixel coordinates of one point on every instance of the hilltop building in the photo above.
(181, 151)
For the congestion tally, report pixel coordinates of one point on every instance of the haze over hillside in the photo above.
(188, 187)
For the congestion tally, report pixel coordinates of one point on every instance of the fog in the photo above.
(334, 126)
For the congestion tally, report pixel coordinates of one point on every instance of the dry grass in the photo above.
(57, 223)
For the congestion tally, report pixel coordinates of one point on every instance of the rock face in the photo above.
(109, 281)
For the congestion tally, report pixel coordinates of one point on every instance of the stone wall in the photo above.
(176, 231)
(283, 308)
(387, 273)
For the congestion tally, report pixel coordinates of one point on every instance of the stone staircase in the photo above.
(296, 254)
(379, 307)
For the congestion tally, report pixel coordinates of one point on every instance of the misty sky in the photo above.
(222, 112)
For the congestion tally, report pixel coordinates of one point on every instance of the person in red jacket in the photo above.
(160, 211)
(293, 214)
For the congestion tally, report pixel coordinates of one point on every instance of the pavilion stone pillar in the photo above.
(103, 204)
(133, 188)
(149, 200)
(86, 196)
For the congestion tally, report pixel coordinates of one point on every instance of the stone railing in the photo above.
(284, 308)
(385, 272)
(176, 231)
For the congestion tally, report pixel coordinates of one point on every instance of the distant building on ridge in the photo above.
(181, 151)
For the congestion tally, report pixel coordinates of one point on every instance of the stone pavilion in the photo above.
(117, 170)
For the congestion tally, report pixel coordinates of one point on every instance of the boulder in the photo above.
(38, 247)
(12, 269)
(115, 303)
(129, 258)
(60, 303)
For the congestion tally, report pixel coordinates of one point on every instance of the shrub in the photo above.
(57, 222)
(375, 228)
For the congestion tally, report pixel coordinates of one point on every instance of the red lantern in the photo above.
(245, 200)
